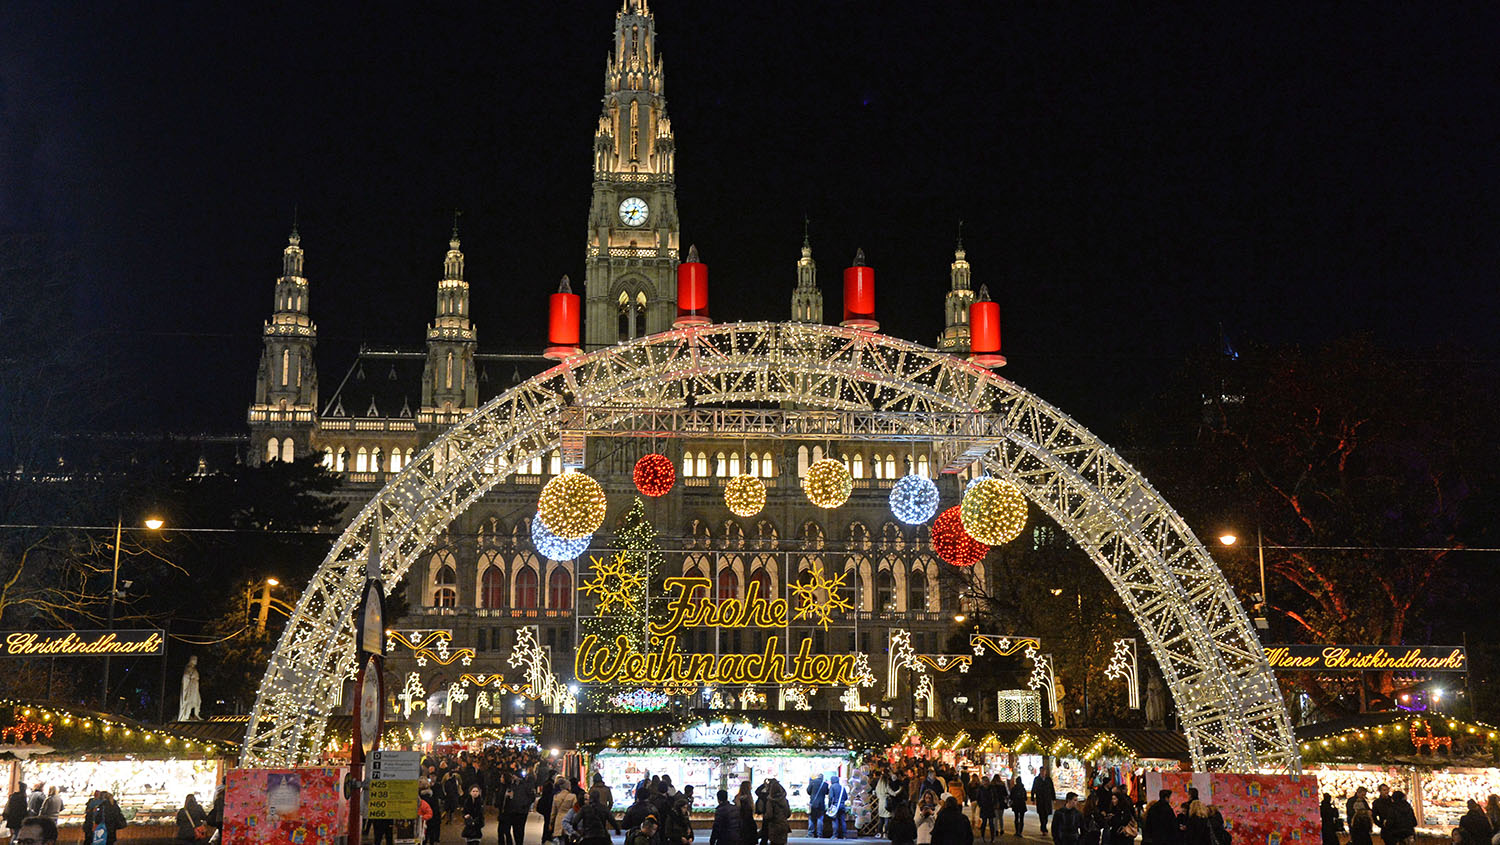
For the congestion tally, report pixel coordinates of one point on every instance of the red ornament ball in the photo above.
(952, 543)
(654, 475)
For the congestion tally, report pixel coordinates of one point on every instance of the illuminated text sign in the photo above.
(142, 642)
(1367, 658)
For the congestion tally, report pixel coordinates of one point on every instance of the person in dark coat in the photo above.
(473, 813)
(902, 827)
(835, 805)
(952, 826)
(989, 795)
(726, 830)
(1197, 830)
(1161, 822)
(544, 807)
(1332, 824)
(16, 811)
(744, 804)
(1018, 804)
(1067, 824)
(1044, 795)
(1401, 821)
(637, 812)
(518, 794)
(815, 792)
(107, 813)
(1475, 825)
(1361, 828)
(189, 816)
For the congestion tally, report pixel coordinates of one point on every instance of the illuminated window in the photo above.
(395, 460)
(720, 465)
(858, 468)
(734, 464)
(890, 466)
(922, 467)
(767, 469)
(703, 464)
(286, 365)
(376, 458)
(560, 590)
(492, 587)
(362, 460)
(343, 460)
(802, 461)
(817, 454)
(752, 464)
(328, 457)
(555, 462)
(287, 450)
(445, 597)
(877, 471)
(687, 464)
(448, 373)
(273, 449)
(444, 579)
(526, 588)
(534, 466)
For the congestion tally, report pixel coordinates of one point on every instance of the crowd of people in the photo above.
(1391, 815)
(31, 817)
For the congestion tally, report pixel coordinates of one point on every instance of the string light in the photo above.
(827, 483)
(572, 505)
(952, 543)
(745, 495)
(553, 547)
(654, 475)
(914, 499)
(993, 511)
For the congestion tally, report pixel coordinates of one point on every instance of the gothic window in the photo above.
(859, 536)
(890, 465)
(288, 450)
(273, 449)
(448, 373)
(812, 535)
(526, 587)
(702, 464)
(916, 590)
(890, 536)
(560, 589)
(752, 464)
(492, 586)
(884, 591)
(554, 463)
(693, 567)
(362, 460)
(876, 470)
(732, 536)
(762, 577)
(297, 368)
(698, 534)
(720, 465)
(343, 460)
(729, 585)
(395, 460)
(765, 535)
(376, 458)
(286, 364)
(328, 457)
(857, 468)
(922, 466)
(687, 464)
(534, 466)
(817, 454)
(802, 461)
(444, 579)
(734, 464)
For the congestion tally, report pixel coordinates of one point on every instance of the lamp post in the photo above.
(153, 523)
(1229, 539)
(266, 601)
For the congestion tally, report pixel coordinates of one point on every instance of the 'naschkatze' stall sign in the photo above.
(1367, 658)
(140, 642)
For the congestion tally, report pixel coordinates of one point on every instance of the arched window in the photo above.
(273, 449)
(731, 535)
(693, 567)
(362, 460)
(328, 457)
(687, 464)
(526, 587)
(763, 579)
(343, 460)
(560, 589)
(859, 536)
(752, 464)
(812, 535)
(922, 467)
(444, 579)
(916, 590)
(554, 463)
(286, 366)
(729, 585)
(699, 535)
(765, 535)
(720, 465)
(395, 460)
(890, 466)
(858, 468)
(703, 464)
(448, 373)
(492, 587)
(767, 468)
(375, 459)
(891, 537)
(734, 464)
(884, 590)
(534, 466)
(817, 454)
(876, 470)
(802, 461)
(288, 450)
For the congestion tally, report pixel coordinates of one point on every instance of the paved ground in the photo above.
(451, 834)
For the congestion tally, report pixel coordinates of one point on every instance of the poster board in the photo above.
(284, 807)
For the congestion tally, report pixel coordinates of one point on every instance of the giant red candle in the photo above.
(692, 292)
(562, 323)
(984, 331)
(859, 295)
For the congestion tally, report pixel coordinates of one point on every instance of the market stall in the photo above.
(1439, 761)
(720, 749)
(148, 770)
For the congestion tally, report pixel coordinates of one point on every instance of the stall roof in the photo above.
(29, 724)
(1146, 743)
(574, 730)
(1428, 738)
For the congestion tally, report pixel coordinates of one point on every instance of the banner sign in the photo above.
(143, 642)
(1367, 658)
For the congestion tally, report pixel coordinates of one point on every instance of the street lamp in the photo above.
(959, 618)
(1229, 539)
(266, 601)
(153, 523)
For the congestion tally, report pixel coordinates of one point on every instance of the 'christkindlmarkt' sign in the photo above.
(1367, 658)
(618, 663)
(143, 642)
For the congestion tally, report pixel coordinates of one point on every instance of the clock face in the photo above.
(633, 211)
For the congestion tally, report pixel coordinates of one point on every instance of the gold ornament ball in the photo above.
(993, 511)
(827, 483)
(745, 495)
(572, 506)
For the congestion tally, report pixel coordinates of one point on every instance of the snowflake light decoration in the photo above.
(851, 702)
(639, 701)
(613, 583)
(812, 607)
(553, 547)
(914, 499)
(797, 698)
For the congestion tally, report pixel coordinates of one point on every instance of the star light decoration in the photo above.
(952, 543)
(821, 609)
(553, 547)
(827, 483)
(572, 505)
(1123, 667)
(654, 475)
(993, 511)
(613, 583)
(797, 698)
(639, 701)
(914, 499)
(412, 696)
(745, 495)
(1041, 676)
(851, 702)
(863, 675)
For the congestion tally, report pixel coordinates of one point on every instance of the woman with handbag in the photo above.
(190, 820)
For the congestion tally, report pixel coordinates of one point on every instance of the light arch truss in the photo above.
(873, 386)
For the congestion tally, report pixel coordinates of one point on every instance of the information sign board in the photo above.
(393, 784)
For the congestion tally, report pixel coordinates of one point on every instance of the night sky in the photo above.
(1128, 179)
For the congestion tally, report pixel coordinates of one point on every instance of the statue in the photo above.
(1156, 701)
(191, 700)
(1059, 693)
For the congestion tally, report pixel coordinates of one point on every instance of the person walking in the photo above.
(1197, 830)
(951, 826)
(990, 797)
(549, 788)
(902, 828)
(726, 829)
(925, 817)
(189, 817)
(815, 792)
(108, 816)
(34, 800)
(595, 821)
(53, 806)
(744, 804)
(1358, 801)
(519, 795)
(16, 811)
(1044, 795)
(1161, 821)
(645, 834)
(1328, 815)
(473, 814)
(1475, 825)
(884, 789)
(1018, 804)
(563, 802)
(1067, 823)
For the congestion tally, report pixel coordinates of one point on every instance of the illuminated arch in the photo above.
(1226, 695)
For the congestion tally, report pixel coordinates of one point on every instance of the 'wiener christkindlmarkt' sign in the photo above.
(1367, 658)
(142, 642)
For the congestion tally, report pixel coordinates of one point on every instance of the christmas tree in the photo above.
(624, 582)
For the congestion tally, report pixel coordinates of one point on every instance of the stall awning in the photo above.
(1427, 738)
(1066, 742)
